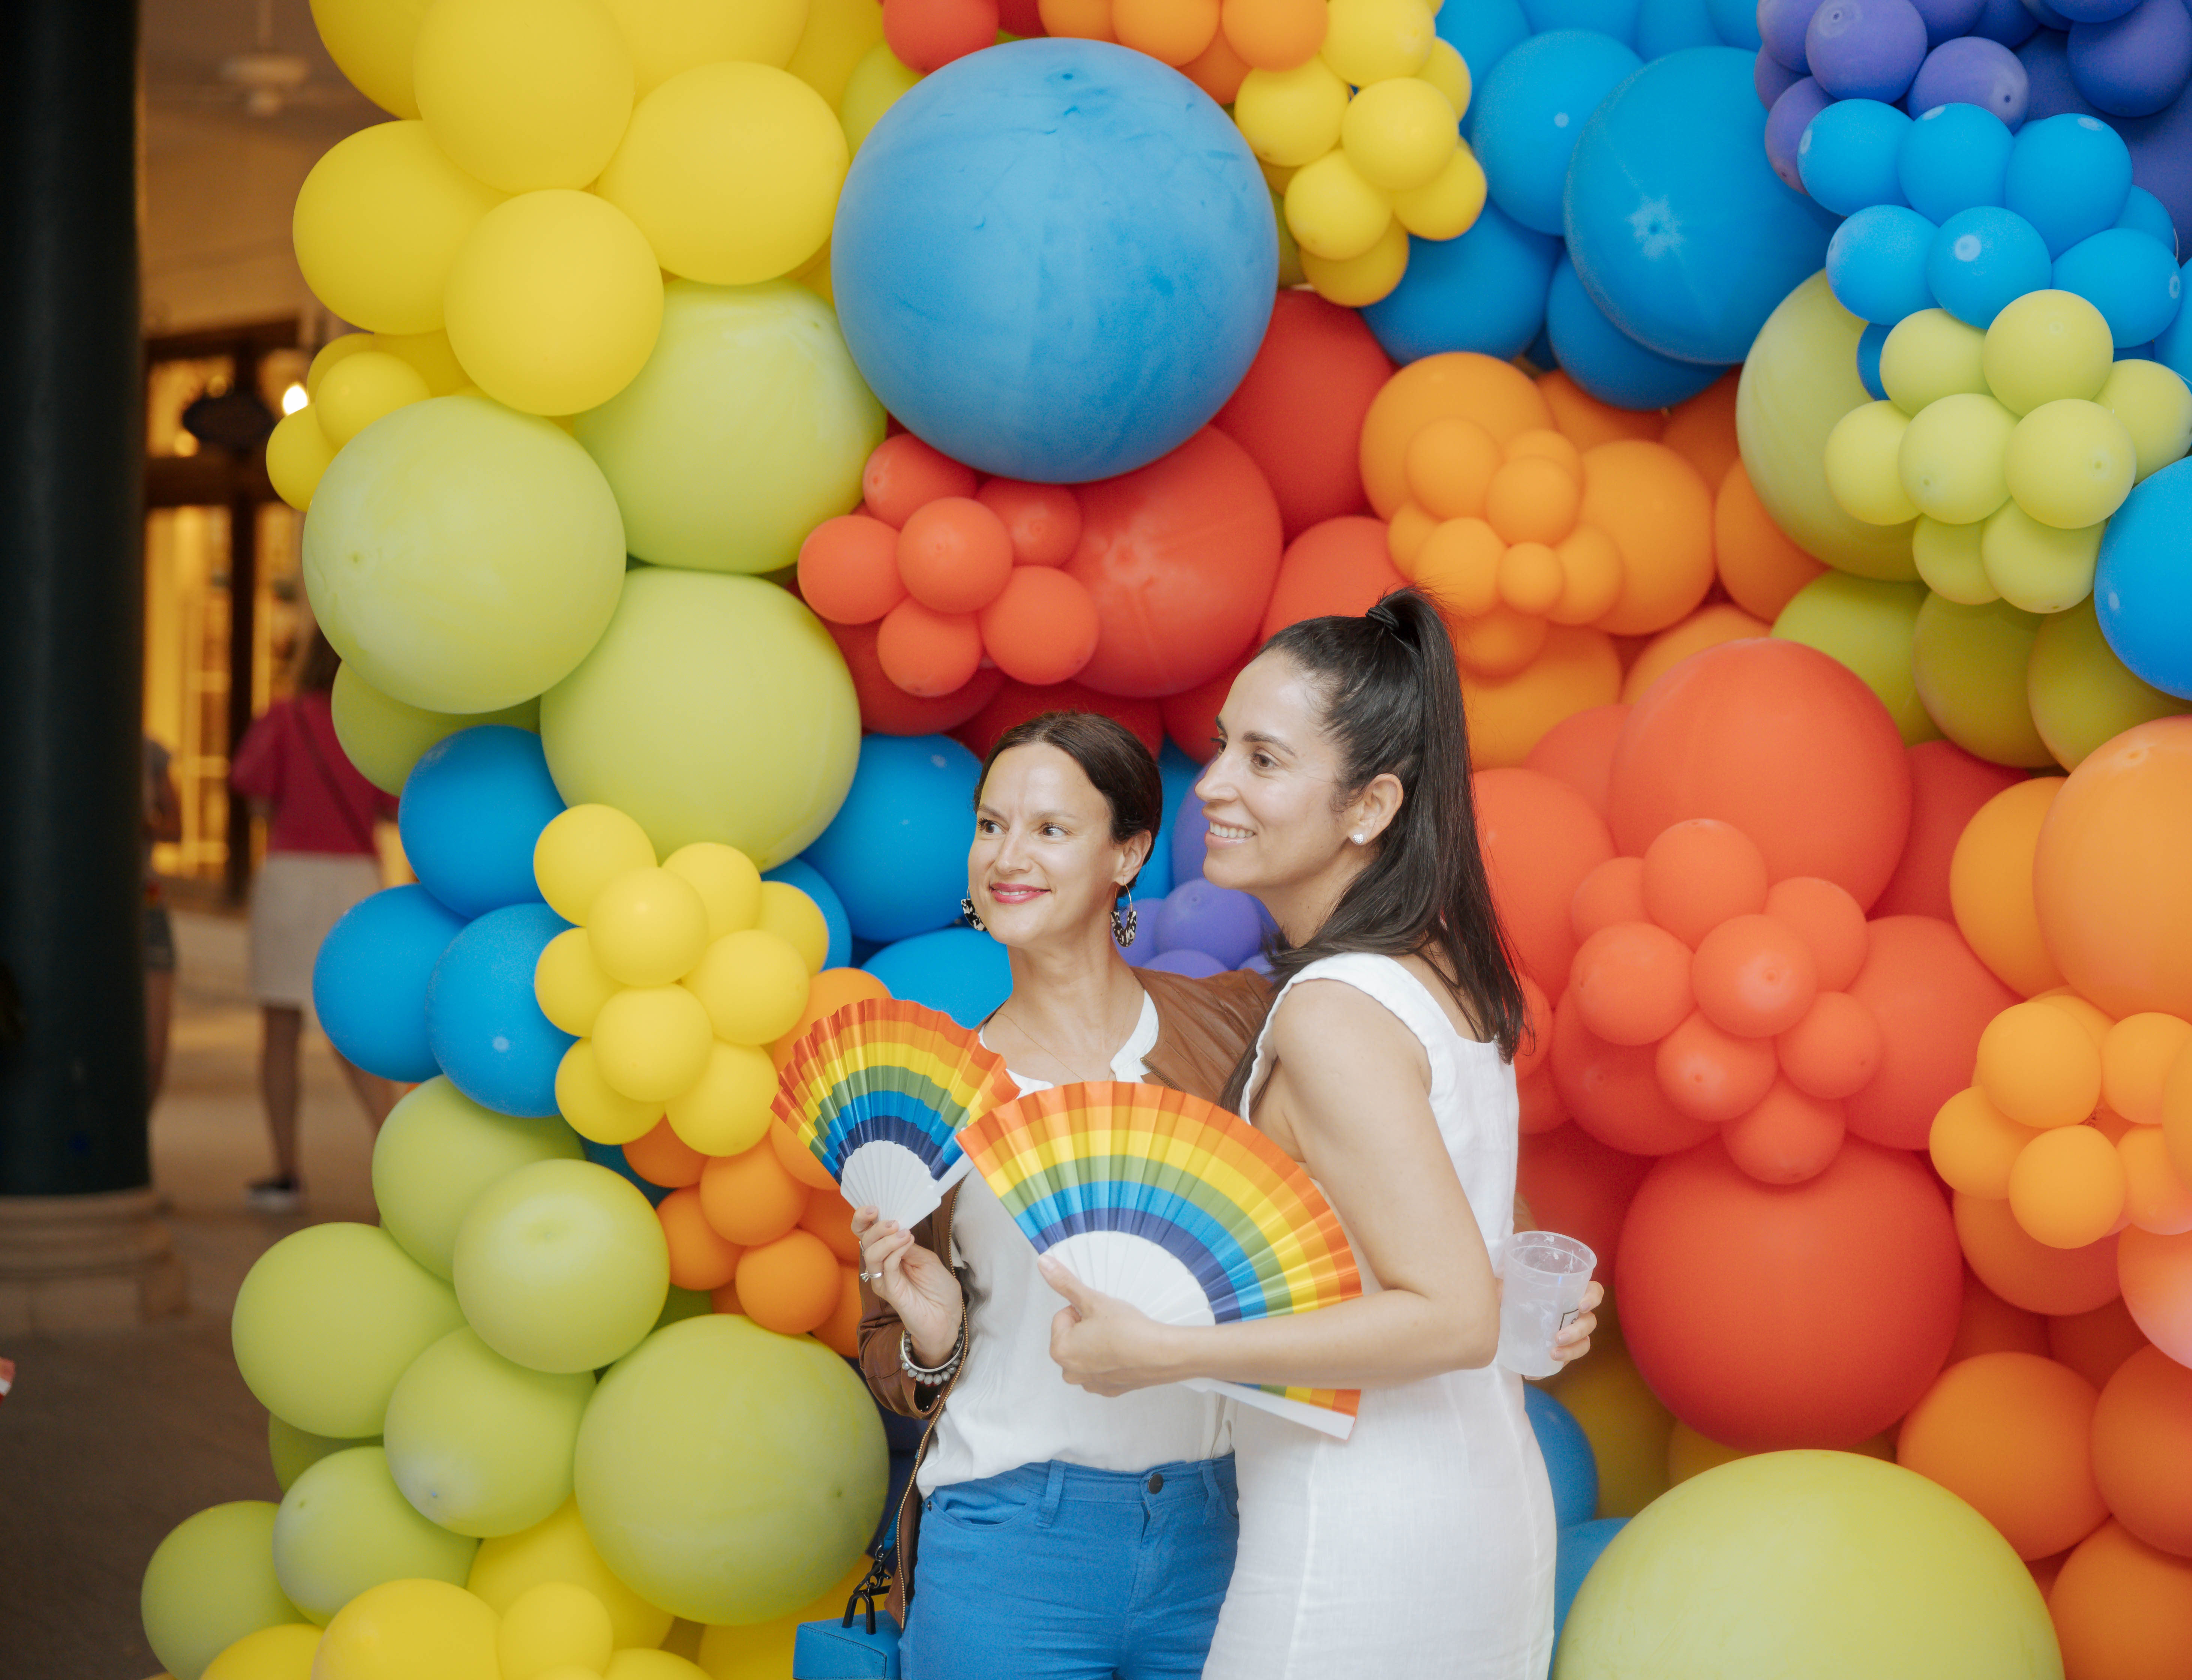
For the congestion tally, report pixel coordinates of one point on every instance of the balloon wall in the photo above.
(754, 410)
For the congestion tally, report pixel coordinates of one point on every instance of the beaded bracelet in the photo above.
(923, 1374)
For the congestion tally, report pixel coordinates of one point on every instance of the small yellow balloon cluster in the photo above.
(2010, 448)
(352, 382)
(1364, 143)
(675, 979)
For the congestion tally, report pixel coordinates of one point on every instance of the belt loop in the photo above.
(1053, 1491)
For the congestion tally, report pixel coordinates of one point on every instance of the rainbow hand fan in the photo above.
(1171, 1203)
(878, 1092)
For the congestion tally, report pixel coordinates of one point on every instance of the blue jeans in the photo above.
(1054, 1572)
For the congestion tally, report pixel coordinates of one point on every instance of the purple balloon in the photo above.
(1772, 78)
(2005, 21)
(1781, 26)
(1865, 49)
(1785, 123)
(2138, 64)
(1189, 828)
(2161, 160)
(2094, 11)
(1195, 964)
(2050, 92)
(2046, 16)
(1227, 924)
(1975, 70)
(1946, 20)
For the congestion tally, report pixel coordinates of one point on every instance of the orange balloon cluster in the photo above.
(1213, 44)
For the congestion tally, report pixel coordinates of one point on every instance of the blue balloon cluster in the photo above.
(1572, 1469)
(895, 853)
(2142, 587)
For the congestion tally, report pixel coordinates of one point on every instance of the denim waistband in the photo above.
(1054, 1480)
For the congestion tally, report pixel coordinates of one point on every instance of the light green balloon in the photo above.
(328, 1318)
(561, 1266)
(729, 1474)
(2081, 695)
(293, 1451)
(346, 1526)
(1808, 1566)
(1867, 624)
(480, 1445)
(437, 1150)
(210, 1582)
(1969, 664)
(747, 428)
(463, 556)
(714, 708)
(1798, 380)
(385, 738)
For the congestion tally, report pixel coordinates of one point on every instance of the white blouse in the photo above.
(1013, 1405)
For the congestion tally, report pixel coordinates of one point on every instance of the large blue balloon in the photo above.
(1569, 1463)
(1531, 112)
(1664, 26)
(964, 974)
(473, 805)
(1579, 1548)
(370, 981)
(896, 852)
(800, 873)
(1483, 33)
(487, 1031)
(1054, 260)
(1616, 18)
(2068, 176)
(1484, 291)
(1678, 228)
(2143, 589)
(1608, 363)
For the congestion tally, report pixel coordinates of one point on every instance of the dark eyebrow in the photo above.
(990, 811)
(1269, 740)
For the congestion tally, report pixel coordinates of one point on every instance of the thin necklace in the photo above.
(1039, 1044)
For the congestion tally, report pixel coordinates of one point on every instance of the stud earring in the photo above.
(1356, 838)
(967, 909)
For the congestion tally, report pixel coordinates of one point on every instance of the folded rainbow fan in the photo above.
(1171, 1203)
(878, 1092)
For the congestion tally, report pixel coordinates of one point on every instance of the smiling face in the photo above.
(1043, 867)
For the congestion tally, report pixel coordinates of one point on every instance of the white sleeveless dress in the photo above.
(1424, 1546)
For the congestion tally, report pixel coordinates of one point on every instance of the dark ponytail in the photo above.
(1392, 704)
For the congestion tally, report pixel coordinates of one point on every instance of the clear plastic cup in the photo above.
(1541, 1290)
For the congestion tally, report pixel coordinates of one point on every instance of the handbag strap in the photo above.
(875, 1585)
(359, 831)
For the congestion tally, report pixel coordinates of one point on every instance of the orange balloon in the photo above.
(1448, 467)
(1788, 1137)
(1630, 983)
(1834, 1051)
(2067, 1187)
(1575, 1184)
(1973, 1147)
(1698, 873)
(1041, 628)
(1990, 1324)
(1337, 568)
(848, 569)
(1948, 786)
(829, 991)
(2136, 1057)
(1760, 565)
(1539, 841)
(2039, 1067)
(1613, 1090)
(1659, 513)
(750, 1198)
(1043, 521)
(1220, 71)
(1591, 572)
(2109, 880)
(1080, 19)
(1191, 717)
(954, 554)
(1590, 422)
(1017, 702)
(791, 1285)
(1538, 1099)
(1990, 884)
(904, 475)
(1707, 627)
(1753, 976)
(1274, 34)
(1498, 642)
(1611, 893)
(1531, 498)
(1171, 31)
(1933, 999)
(1579, 750)
(2010, 1434)
(1458, 565)
(1701, 430)
(830, 1217)
(1460, 384)
(700, 1258)
(2026, 1272)
(1532, 578)
(662, 1157)
(888, 709)
(725, 1299)
(1410, 528)
(1781, 742)
(1770, 1316)
(1536, 1030)
(927, 653)
(2143, 1450)
(1828, 920)
(841, 1331)
(2156, 1198)
(797, 1160)
(2122, 1609)
(1710, 1075)
(1576, 670)
(2157, 1275)
(2094, 1344)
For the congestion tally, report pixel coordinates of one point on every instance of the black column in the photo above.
(71, 599)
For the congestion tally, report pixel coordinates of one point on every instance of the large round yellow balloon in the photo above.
(1950, 457)
(209, 1583)
(795, 918)
(838, 34)
(2036, 568)
(554, 302)
(1399, 134)
(280, 1653)
(557, 1622)
(560, 1550)
(524, 94)
(709, 480)
(1798, 381)
(1969, 665)
(383, 738)
(371, 42)
(410, 1630)
(462, 556)
(668, 38)
(1444, 207)
(1868, 626)
(581, 851)
(2045, 346)
(1332, 211)
(2070, 463)
(714, 708)
(2080, 692)
(753, 985)
(344, 1526)
(437, 1151)
(651, 1043)
(378, 223)
(731, 171)
(597, 1110)
(1291, 117)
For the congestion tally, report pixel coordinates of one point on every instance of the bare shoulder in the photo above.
(1328, 1020)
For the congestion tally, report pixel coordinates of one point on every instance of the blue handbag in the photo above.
(863, 1645)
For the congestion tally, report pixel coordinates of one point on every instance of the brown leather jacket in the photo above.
(1204, 1026)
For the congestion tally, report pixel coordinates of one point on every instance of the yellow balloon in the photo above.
(1333, 212)
(731, 888)
(1930, 355)
(753, 986)
(1290, 268)
(731, 171)
(524, 94)
(795, 918)
(556, 1622)
(651, 1665)
(2046, 345)
(762, 1651)
(1399, 135)
(362, 388)
(428, 353)
(1867, 624)
(569, 986)
(726, 1110)
(383, 738)
(2080, 692)
(872, 87)
(669, 38)
(581, 851)
(297, 455)
(210, 1582)
(554, 302)
(1949, 560)
(1291, 116)
(2070, 463)
(1450, 205)
(1969, 664)
(1950, 457)
(2155, 407)
(2036, 568)
(371, 42)
(378, 223)
(1359, 281)
(1861, 456)
(646, 928)
(282, 1653)
(1626, 1424)
(1368, 40)
(410, 1630)
(328, 354)
(597, 1110)
(293, 1451)
(1690, 1453)
(1448, 71)
(559, 1550)
(839, 33)
(651, 1042)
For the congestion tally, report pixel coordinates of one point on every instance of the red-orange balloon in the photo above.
(830, 1217)
(927, 653)
(1787, 1138)
(1017, 702)
(2011, 1435)
(2095, 1344)
(1041, 628)
(662, 1157)
(888, 709)
(1575, 1184)
(1042, 520)
(1539, 840)
(1220, 71)
(1759, 566)
(926, 35)
(2028, 1274)
(1990, 1324)
(2122, 1609)
(750, 1198)
(793, 1156)
(700, 1257)
(1579, 750)
(789, 1286)
(1931, 998)
(1191, 717)
(2143, 1450)
(1613, 1090)
(2156, 1276)
(1338, 568)
(904, 474)
(1611, 893)
(1753, 975)
(1537, 1099)
(1630, 983)
(1948, 786)
(1834, 1051)
(1828, 920)
(1710, 1075)
(955, 555)
(1806, 1315)
(1782, 741)
(848, 569)
(2156, 1198)
(1180, 556)
(841, 1331)
(1700, 873)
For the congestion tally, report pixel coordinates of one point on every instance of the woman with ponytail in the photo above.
(1424, 1544)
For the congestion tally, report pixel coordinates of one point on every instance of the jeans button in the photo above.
(1157, 1482)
